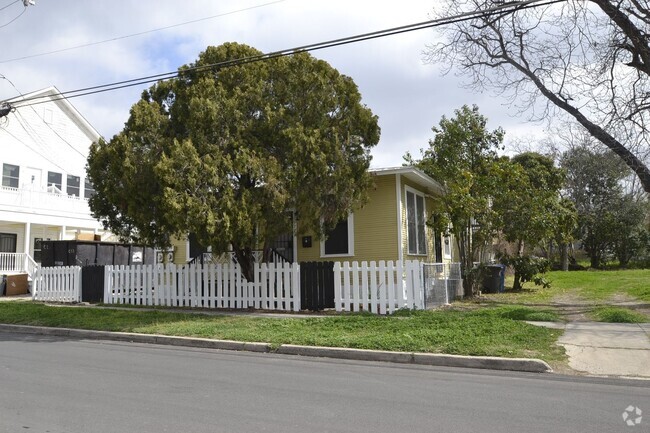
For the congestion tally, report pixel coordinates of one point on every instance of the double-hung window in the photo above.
(89, 189)
(10, 175)
(73, 185)
(416, 219)
(54, 179)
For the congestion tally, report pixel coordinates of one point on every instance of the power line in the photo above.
(145, 32)
(10, 4)
(19, 15)
(500, 9)
(43, 120)
(29, 147)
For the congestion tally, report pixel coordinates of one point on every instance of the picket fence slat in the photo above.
(57, 284)
(204, 286)
(379, 287)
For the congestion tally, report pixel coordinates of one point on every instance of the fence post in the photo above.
(420, 288)
(78, 283)
(382, 288)
(337, 287)
(295, 286)
(35, 281)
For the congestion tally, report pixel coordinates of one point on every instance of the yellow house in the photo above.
(391, 226)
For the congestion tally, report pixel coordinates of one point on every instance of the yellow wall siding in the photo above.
(375, 228)
(181, 253)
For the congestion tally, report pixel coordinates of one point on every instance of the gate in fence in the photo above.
(442, 283)
(92, 283)
(316, 285)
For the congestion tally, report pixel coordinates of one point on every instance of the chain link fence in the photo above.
(442, 283)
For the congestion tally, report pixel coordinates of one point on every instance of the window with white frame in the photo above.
(10, 175)
(54, 179)
(73, 185)
(340, 241)
(89, 189)
(416, 219)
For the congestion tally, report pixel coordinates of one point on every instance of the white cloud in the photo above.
(408, 96)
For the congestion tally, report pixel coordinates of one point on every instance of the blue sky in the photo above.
(408, 96)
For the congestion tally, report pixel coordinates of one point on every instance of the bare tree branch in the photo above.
(588, 60)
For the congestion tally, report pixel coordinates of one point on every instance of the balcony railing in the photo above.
(43, 200)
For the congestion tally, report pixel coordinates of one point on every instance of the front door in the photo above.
(8, 242)
(32, 178)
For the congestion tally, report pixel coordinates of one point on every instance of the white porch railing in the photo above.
(380, 288)
(30, 266)
(12, 262)
(58, 284)
(208, 286)
(17, 263)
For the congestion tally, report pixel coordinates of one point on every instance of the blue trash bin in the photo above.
(494, 280)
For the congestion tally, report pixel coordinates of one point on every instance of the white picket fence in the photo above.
(58, 284)
(380, 288)
(275, 287)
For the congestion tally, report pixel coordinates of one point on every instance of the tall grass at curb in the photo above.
(617, 315)
(488, 331)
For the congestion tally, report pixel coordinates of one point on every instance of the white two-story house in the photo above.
(44, 191)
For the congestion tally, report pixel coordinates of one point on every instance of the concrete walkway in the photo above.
(606, 349)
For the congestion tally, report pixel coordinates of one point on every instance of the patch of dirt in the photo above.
(626, 301)
(574, 308)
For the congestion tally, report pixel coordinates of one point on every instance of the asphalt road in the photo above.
(56, 385)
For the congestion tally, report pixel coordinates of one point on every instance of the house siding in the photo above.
(181, 253)
(375, 234)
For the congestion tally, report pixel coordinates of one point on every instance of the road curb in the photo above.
(432, 359)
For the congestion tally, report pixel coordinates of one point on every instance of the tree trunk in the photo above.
(245, 260)
(564, 256)
(465, 265)
(595, 261)
(517, 283)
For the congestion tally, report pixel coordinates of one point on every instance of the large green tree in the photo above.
(463, 157)
(609, 216)
(225, 152)
(530, 211)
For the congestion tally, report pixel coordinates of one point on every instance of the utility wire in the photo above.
(145, 32)
(501, 9)
(43, 120)
(29, 147)
(10, 4)
(19, 15)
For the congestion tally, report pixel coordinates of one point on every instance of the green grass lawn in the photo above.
(593, 288)
(487, 331)
(590, 285)
(602, 285)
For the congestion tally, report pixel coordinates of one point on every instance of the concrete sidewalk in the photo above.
(606, 349)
